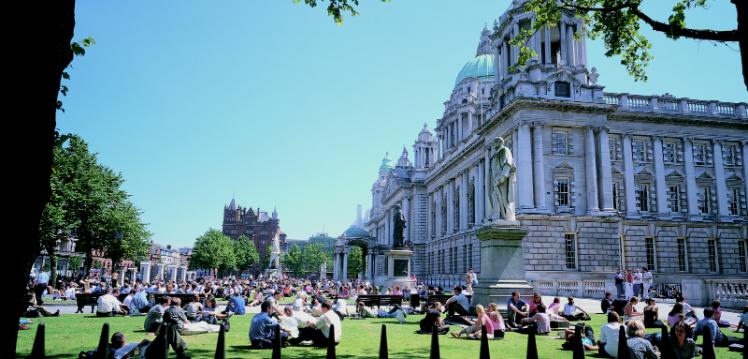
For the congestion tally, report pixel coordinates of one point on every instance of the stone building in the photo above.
(604, 180)
(254, 224)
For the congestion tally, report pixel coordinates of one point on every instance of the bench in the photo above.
(370, 300)
(84, 299)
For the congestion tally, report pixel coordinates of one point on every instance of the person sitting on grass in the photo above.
(364, 312)
(743, 320)
(630, 311)
(210, 315)
(155, 315)
(607, 302)
(475, 331)
(588, 338)
(433, 318)
(236, 304)
(496, 319)
(676, 315)
(319, 331)
(533, 305)
(460, 305)
(258, 298)
(651, 313)
(609, 333)
(194, 309)
(540, 321)
(139, 303)
(639, 348)
(262, 328)
(708, 323)
(516, 309)
(555, 307)
(680, 338)
(718, 315)
(571, 309)
(108, 305)
(33, 310)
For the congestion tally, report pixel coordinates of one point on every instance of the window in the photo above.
(471, 202)
(713, 255)
(571, 250)
(614, 144)
(444, 214)
(642, 197)
(682, 255)
(669, 149)
(649, 243)
(618, 195)
(562, 192)
(674, 198)
(641, 150)
(456, 210)
(562, 89)
(704, 200)
(702, 154)
(731, 154)
(560, 142)
(433, 218)
(734, 201)
(742, 255)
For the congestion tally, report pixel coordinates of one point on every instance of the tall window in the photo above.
(731, 154)
(733, 202)
(702, 155)
(673, 200)
(713, 255)
(682, 255)
(617, 195)
(571, 250)
(560, 141)
(614, 144)
(742, 255)
(704, 200)
(649, 243)
(444, 214)
(642, 197)
(471, 202)
(456, 212)
(433, 219)
(668, 152)
(640, 148)
(464, 258)
(562, 192)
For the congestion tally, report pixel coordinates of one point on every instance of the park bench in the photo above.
(371, 300)
(84, 299)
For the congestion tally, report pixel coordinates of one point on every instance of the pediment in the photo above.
(644, 172)
(674, 175)
(563, 166)
(704, 176)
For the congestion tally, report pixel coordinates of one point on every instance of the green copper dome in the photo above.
(355, 232)
(479, 67)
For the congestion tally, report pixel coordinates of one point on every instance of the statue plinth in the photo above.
(502, 269)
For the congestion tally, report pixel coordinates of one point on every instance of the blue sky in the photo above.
(270, 101)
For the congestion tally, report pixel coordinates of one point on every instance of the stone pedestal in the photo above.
(502, 269)
(398, 270)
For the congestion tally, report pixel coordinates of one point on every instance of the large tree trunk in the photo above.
(742, 8)
(41, 51)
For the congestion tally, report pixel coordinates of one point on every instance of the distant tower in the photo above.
(359, 219)
(275, 213)
(424, 148)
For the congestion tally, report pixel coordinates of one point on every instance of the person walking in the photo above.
(619, 279)
(647, 280)
(628, 285)
(637, 282)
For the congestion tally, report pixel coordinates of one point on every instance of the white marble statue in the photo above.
(501, 173)
(275, 253)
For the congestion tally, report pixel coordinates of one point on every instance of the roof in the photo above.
(481, 66)
(355, 232)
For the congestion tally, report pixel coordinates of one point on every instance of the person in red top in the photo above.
(536, 300)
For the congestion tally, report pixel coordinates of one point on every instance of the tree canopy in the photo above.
(213, 250)
(245, 253)
(619, 22)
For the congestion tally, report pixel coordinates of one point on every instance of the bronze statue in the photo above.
(398, 220)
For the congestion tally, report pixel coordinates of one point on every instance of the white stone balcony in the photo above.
(668, 104)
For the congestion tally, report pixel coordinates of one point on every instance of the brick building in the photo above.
(254, 224)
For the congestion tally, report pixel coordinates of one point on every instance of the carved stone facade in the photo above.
(604, 180)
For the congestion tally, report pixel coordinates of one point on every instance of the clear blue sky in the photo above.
(270, 101)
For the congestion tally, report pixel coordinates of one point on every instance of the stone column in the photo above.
(590, 166)
(570, 43)
(628, 177)
(505, 59)
(160, 268)
(145, 269)
(524, 168)
(497, 68)
(368, 267)
(515, 49)
(335, 266)
(538, 169)
(582, 46)
(470, 120)
(605, 175)
(121, 276)
(719, 174)
(450, 206)
(173, 273)
(547, 45)
(485, 203)
(745, 166)
(660, 186)
(563, 48)
(184, 273)
(691, 189)
(345, 265)
(406, 213)
(438, 213)
(464, 201)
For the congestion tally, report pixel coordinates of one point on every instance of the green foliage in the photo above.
(75, 263)
(293, 261)
(87, 197)
(245, 253)
(355, 262)
(213, 250)
(79, 49)
(313, 257)
(336, 8)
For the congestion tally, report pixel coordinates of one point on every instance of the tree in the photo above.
(355, 262)
(619, 22)
(245, 252)
(213, 250)
(313, 257)
(293, 261)
(43, 56)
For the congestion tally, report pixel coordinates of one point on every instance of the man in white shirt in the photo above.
(108, 305)
(458, 306)
(570, 311)
(319, 332)
(609, 334)
(637, 283)
(42, 282)
(647, 281)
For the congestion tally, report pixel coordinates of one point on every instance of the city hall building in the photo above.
(604, 180)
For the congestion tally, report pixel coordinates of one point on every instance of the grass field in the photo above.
(67, 335)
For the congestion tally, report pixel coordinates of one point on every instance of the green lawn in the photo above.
(69, 334)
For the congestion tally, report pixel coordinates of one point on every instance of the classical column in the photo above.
(406, 213)
(660, 186)
(345, 265)
(563, 48)
(628, 177)
(606, 182)
(505, 59)
(184, 273)
(121, 276)
(145, 269)
(335, 266)
(464, 201)
(450, 206)
(515, 49)
(590, 166)
(745, 166)
(173, 273)
(691, 189)
(479, 191)
(438, 212)
(160, 267)
(719, 174)
(581, 45)
(570, 43)
(538, 169)
(547, 45)
(498, 65)
(524, 168)
(470, 120)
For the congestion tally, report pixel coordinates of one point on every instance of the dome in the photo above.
(355, 232)
(425, 135)
(481, 66)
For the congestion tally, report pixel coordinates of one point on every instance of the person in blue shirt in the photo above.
(236, 304)
(516, 309)
(708, 323)
(140, 300)
(262, 328)
(42, 282)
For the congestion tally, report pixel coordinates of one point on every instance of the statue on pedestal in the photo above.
(501, 174)
(398, 220)
(275, 253)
